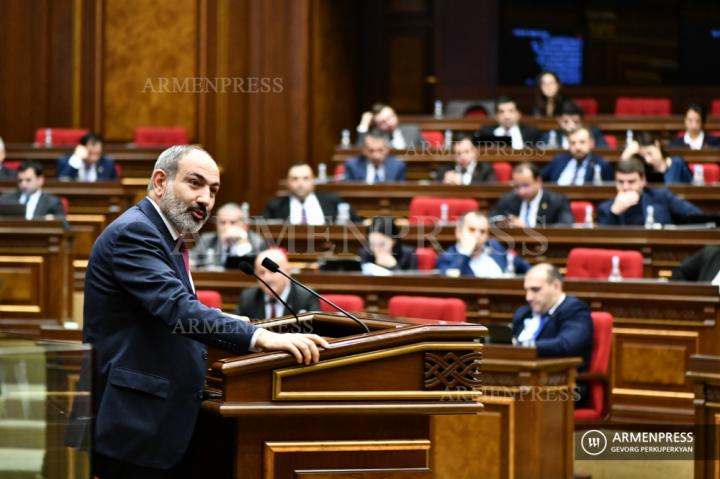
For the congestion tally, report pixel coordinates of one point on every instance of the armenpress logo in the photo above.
(593, 442)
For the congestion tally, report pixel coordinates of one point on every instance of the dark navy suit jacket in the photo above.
(668, 209)
(567, 332)
(356, 169)
(105, 169)
(452, 259)
(145, 325)
(554, 169)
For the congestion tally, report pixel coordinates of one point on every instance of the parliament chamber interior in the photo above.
(357, 239)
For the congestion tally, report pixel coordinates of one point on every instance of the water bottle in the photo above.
(345, 138)
(552, 139)
(589, 216)
(322, 173)
(615, 272)
(628, 137)
(444, 214)
(438, 109)
(699, 176)
(448, 138)
(343, 215)
(650, 217)
(48, 136)
(245, 208)
(510, 269)
(597, 175)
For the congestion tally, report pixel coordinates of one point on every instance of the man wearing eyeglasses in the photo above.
(529, 205)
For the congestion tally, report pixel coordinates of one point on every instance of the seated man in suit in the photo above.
(703, 267)
(569, 117)
(556, 324)
(475, 254)
(87, 163)
(260, 303)
(384, 118)
(232, 238)
(508, 117)
(38, 204)
(633, 200)
(5, 173)
(580, 166)
(304, 206)
(529, 205)
(375, 165)
(466, 170)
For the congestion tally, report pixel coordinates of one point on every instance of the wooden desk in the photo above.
(704, 372)
(658, 325)
(36, 271)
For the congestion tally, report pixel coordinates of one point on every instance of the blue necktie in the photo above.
(543, 320)
(377, 176)
(526, 216)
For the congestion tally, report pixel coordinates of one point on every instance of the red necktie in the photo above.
(185, 254)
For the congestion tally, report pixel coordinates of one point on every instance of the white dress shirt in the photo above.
(514, 133)
(572, 174)
(694, 143)
(30, 203)
(716, 280)
(313, 212)
(534, 206)
(371, 169)
(532, 324)
(466, 178)
(85, 173)
(482, 265)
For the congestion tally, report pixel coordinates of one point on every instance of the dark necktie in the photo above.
(377, 176)
(303, 215)
(185, 254)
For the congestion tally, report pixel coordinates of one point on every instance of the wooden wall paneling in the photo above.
(62, 69)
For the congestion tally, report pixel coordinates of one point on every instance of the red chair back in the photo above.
(596, 263)
(60, 136)
(443, 309)
(65, 205)
(611, 140)
(599, 365)
(715, 108)
(711, 171)
(426, 209)
(160, 136)
(435, 139)
(588, 105)
(625, 106)
(426, 259)
(578, 210)
(209, 298)
(339, 172)
(503, 171)
(349, 302)
(475, 111)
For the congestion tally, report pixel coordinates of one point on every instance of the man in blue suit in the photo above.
(476, 255)
(87, 163)
(630, 205)
(147, 327)
(556, 324)
(374, 165)
(580, 166)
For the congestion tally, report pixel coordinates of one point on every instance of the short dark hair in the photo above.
(90, 137)
(634, 164)
(376, 133)
(699, 109)
(569, 107)
(525, 165)
(462, 136)
(504, 99)
(36, 166)
(645, 138)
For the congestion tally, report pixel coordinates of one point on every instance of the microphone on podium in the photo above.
(249, 270)
(273, 267)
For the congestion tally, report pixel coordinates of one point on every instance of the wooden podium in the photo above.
(365, 410)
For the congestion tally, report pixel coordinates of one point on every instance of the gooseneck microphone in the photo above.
(248, 270)
(273, 267)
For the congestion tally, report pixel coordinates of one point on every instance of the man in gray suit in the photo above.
(232, 238)
(38, 204)
(383, 117)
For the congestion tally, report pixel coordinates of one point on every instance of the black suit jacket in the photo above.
(530, 134)
(278, 208)
(252, 302)
(703, 266)
(48, 204)
(554, 208)
(483, 173)
(709, 141)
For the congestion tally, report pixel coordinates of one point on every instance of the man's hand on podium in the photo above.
(302, 346)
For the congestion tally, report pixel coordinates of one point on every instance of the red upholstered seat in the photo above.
(715, 108)
(711, 171)
(435, 139)
(209, 298)
(597, 407)
(160, 136)
(339, 172)
(349, 302)
(443, 309)
(611, 140)
(596, 263)
(625, 106)
(65, 205)
(475, 111)
(503, 171)
(426, 259)
(578, 210)
(60, 136)
(589, 105)
(426, 209)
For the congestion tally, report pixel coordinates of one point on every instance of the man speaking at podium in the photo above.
(147, 326)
